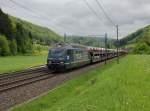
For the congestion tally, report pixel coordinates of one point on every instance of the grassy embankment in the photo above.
(123, 87)
(14, 63)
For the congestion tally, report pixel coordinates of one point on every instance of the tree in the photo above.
(4, 46)
(24, 40)
(13, 47)
(145, 38)
(6, 27)
(142, 48)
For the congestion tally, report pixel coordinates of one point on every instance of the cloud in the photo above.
(74, 17)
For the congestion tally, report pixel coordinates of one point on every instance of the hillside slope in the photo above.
(18, 36)
(91, 41)
(141, 35)
(38, 32)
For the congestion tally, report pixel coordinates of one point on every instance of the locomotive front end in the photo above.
(56, 59)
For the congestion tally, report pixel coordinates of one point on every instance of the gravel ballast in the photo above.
(26, 93)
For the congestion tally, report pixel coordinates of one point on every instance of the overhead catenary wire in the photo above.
(87, 35)
(106, 15)
(20, 5)
(92, 10)
(35, 12)
(109, 19)
(115, 25)
(23, 7)
(28, 9)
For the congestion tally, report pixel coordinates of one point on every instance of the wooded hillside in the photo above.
(18, 36)
(139, 41)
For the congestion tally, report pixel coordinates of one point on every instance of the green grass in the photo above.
(130, 45)
(15, 63)
(123, 87)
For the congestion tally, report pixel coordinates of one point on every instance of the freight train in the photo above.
(64, 57)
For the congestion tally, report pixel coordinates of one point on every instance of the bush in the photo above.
(13, 47)
(24, 40)
(4, 46)
(142, 48)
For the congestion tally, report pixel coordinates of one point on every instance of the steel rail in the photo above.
(14, 84)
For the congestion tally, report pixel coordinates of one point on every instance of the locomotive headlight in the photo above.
(49, 62)
(61, 62)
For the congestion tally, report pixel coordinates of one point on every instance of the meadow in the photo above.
(113, 87)
(15, 63)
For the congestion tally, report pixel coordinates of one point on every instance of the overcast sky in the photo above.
(74, 17)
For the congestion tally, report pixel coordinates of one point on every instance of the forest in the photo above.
(139, 41)
(19, 37)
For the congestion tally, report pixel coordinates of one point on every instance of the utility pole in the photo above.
(117, 44)
(65, 37)
(106, 48)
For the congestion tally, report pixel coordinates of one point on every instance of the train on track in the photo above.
(64, 57)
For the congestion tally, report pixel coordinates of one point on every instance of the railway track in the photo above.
(21, 74)
(13, 80)
(22, 78)
(24, 72)
(30, 83)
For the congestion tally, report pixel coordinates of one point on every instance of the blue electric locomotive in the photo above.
(67, 57)
(63, 57)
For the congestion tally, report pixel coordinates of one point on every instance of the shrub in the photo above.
(24, 40)
(142, 48)
(4, 46)
(13, 47)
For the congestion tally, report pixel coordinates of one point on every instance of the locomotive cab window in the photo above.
(56, 53)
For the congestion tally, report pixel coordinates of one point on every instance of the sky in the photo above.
(74, 17)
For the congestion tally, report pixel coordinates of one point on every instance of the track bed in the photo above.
(30, 90)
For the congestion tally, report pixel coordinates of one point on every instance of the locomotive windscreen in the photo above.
(56, 53)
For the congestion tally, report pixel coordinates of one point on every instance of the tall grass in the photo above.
(123, 87)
